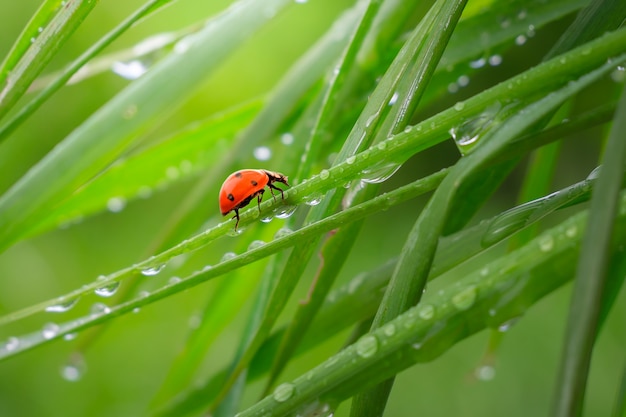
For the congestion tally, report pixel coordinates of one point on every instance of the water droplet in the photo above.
(285, 212)
(262, 153)
(426, 312)
(282, 232)
(619, 74)
(130, 111)
(70, 336)
(175, 280)
(350, 160)
(99, 308)
(283, 392)
(32, 40)
(50, 330)
(75, 368)
(389, 329)
(466, 135)
(520, 40)
(152, 270)
(228, 256)
(571, 231)
(466, 298)
(478, 63)
(495, 60)
(116, 204)
(506, 326)
(172, 172)
(530, 32)
(546, 243)
(393, 99)
(313, 199)
(39, 29)
(287, 139)
(485, 373)
(255, 244)
(130, 70)
(453, 88)
(378, 174)
(459, 106)
(267, 218)
(367, 346)
(108, 290)
(63, 307)
(11, 344)
(300, 1)
(521, 15)
(324, 174)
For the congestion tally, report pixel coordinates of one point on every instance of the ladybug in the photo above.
(242, 186)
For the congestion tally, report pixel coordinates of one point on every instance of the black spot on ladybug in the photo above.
(231, 197)
(238, 174)
(254, 183)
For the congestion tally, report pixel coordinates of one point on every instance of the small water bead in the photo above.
(367, 346)
(478, 63)
(495, 60)
(485, 373)
(143, 294)
(255, 244)
(571, 231)
(546, 243)
(50, 330)
(324, 174)
(130, 111)
(389, 329)
(350, 159)
(459, 106)
(287, 139)
(11, 344)
(520, 40)
(100, 308)
(228, 256)
(267, 219)
(427, 312)
(70, 336)
(152, 270)
(506, 326)
(466, 298)
(75, 369)
(174, 280)
(116, 204)
(283, 392)
(63, 307)
(107, 291)
(282, 232)
(619, 74)
(262, 153)
(172, 172)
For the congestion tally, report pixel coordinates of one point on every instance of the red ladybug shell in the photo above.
(242, 186)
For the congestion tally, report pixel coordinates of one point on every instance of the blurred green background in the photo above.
(125, 367)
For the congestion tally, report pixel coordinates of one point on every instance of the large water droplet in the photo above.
(50, 330)
(282, 232)
(367, 346)
(466, 135)
(255, 244)
(130, 70)
(283, 392)
(108, 290)
(466, 298)
(152, 270)
(313, 199)
(285, 212)
(378, 174)
(63, 307)
(228, 256)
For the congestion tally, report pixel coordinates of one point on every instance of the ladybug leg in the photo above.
(237, 217)
(259, 198)
(272, 187)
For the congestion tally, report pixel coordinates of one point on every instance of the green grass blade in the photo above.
(591, 275)
(106, 134)
(25, 111)
(44, 35)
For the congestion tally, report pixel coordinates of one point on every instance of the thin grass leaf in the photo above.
(106, 134)
(25, 111)
(50, 27)
(591, 274)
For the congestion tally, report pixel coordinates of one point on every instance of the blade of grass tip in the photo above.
(101, 138)
(409, 278)
(37, 45)
(591, 275)
(29, 108)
